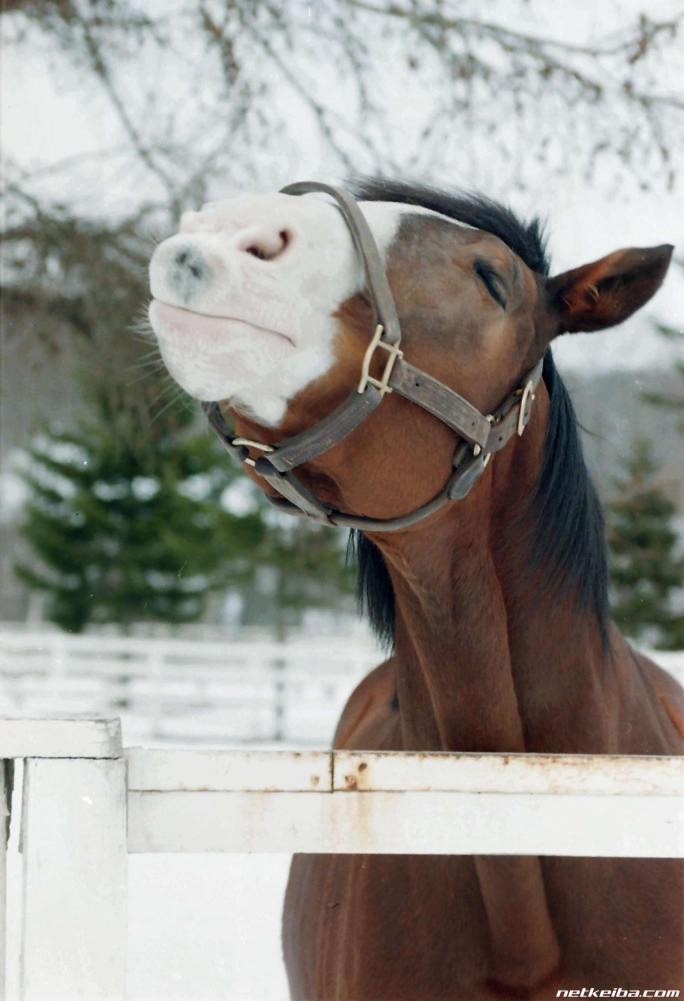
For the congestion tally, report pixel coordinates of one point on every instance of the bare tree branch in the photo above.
(480, 85)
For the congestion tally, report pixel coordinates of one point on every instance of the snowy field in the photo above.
(201, 927)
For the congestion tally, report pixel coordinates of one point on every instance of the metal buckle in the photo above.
(251, 444)
(394, 353)
(527, 392)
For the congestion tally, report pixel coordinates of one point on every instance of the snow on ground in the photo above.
(206, 927)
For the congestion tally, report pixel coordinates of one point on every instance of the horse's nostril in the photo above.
(190, 261)
(257, 252)
(264, 245)
(188, 272)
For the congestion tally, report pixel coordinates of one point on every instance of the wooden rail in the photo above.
(87, 803)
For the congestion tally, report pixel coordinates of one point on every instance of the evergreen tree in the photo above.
(132, 521)
(645, 571)
(304, 566)
(127, 522)
(672, 404)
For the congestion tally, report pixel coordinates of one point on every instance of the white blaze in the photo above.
(257, 331)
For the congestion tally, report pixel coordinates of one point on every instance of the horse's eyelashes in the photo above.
(491, 281)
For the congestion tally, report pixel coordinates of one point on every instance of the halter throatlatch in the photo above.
(480, 436)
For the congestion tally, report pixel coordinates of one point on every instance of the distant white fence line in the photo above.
(184, 691)
(86, 804)
(168, 690)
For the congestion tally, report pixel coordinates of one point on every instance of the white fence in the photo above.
(86, 804)
(181, 691)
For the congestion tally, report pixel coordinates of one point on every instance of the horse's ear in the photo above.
(606, 292)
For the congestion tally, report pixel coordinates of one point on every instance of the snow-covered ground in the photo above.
(206, 926)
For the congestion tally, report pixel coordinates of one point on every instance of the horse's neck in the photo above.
(456, 686)
(454, 679)
(482, 664)
(481, 668)
(487, 662)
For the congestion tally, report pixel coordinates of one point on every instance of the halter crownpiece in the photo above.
(480, 435)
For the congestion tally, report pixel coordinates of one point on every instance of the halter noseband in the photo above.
(480, 435)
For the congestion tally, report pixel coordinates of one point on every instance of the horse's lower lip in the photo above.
(191, 320)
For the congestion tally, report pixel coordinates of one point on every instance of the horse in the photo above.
(490, 593)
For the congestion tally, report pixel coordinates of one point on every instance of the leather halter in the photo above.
(480, 435)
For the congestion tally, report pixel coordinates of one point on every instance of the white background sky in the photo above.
(48, 117)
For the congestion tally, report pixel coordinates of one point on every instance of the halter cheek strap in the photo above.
(480, 435)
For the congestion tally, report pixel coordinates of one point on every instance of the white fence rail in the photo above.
(183, 691)
(86, 804)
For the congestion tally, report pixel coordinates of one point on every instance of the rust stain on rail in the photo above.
(509, 773)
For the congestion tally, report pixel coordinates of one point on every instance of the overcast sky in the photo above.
(47, 118)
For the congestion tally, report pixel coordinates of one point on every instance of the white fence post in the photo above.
(279, 665)
(74, 879)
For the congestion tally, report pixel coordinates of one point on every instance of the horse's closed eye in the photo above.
(491, 282)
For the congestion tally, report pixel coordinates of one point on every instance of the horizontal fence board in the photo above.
(255, 771)
(407, 823)
(71, 736)
(413, 803)
(521, 773)
(399, 771)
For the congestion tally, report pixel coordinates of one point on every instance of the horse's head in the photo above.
(261, 302)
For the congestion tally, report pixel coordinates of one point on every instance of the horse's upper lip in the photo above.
(228, 319)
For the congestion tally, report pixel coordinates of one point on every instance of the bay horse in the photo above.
(490, 592)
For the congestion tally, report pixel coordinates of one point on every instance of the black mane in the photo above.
(568, 539)
(524, 239)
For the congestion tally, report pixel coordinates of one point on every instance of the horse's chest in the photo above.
(414, 928)
(374, 926)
